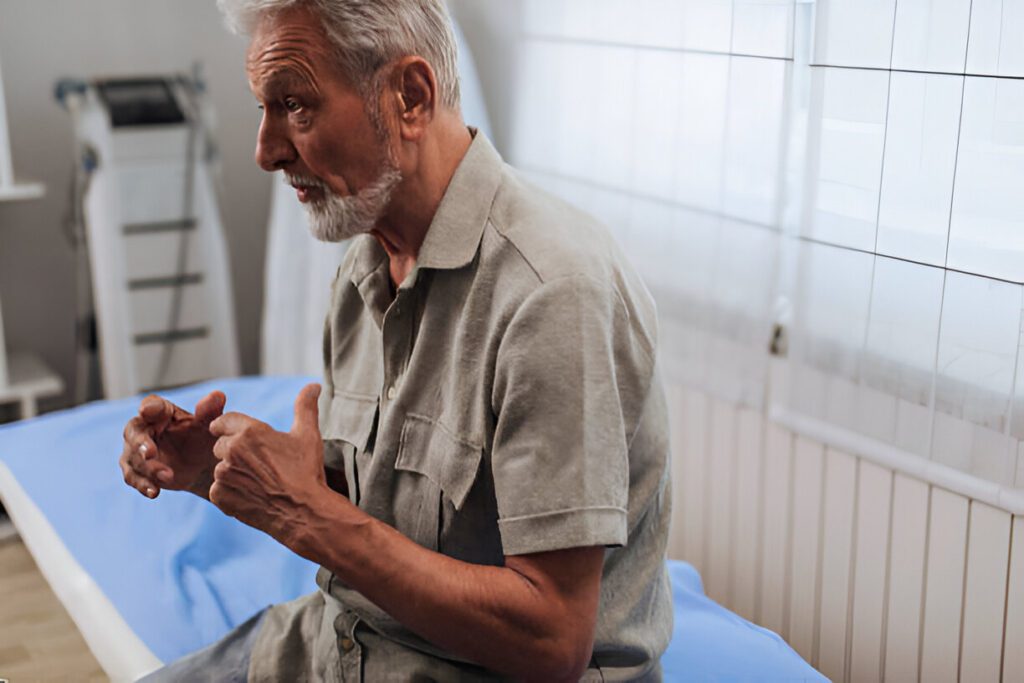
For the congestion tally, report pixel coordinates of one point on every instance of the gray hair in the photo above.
(367, 34)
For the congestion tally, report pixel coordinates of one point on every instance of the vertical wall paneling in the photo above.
(693, 425)
(676, 398)
(837, 541)
(906, 577)
(985, 594)
(721, 454)
(947, 548)
(874, 496)
(747, 541)
(808, 463)
(1013, 653)
(778, 457)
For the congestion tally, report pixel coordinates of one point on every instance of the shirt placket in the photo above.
(397, 341)
(349, 650)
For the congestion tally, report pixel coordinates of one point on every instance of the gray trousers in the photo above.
(226, 661)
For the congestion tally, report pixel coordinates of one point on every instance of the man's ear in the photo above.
(416, 87)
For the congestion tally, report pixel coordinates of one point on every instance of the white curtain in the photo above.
(299, 269)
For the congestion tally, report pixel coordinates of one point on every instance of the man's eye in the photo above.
(292, 104)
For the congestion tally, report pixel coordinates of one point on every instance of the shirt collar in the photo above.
(453, 237)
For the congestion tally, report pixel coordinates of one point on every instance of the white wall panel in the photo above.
(854, 32)
(836, 554)
(775, 548)
(707, 25)
(906, 577)
(1013, 657)
(987, 231)
(696, 499)
(757, 90)
(659, 22)
(947, 548)
(747, 541)
(869, 571)
(978, 347)
(763, 27)
(701, 141)
(931, 35)
(613, 71)
(847, 122)
(675, 396)
(995, 45)
(985, 594)
(535, 122)
(808, 464)
(659, 86)
(920, 161)
(721, 454)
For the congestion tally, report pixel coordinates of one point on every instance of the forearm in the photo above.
(494, 616)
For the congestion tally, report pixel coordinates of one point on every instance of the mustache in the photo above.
(296, 180)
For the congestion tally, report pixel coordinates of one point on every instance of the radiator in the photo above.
(870, 574)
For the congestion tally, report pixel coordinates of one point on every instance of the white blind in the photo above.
(851, 168)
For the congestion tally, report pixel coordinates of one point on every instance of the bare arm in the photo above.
(533, 618)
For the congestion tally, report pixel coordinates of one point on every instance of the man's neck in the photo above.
(415, 202)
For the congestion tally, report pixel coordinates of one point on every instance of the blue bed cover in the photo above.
(182, 574)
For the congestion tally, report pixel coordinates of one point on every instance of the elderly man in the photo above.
(483, 476)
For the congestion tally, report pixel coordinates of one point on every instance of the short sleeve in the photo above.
(572, 370)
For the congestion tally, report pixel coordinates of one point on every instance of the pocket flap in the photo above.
(348, 418)
(449, 461)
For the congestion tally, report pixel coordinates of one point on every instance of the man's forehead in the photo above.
(293, 35)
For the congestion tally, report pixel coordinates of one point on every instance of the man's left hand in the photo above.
(266, 478)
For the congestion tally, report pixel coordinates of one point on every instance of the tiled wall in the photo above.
(852, 170)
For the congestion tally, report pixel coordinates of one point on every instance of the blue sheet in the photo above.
(182, 574)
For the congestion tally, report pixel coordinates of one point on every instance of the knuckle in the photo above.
(216, 494)
(222, 469)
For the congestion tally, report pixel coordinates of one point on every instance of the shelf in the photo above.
(29, 379)
(21, 192)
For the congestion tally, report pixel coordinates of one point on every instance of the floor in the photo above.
(38, 640)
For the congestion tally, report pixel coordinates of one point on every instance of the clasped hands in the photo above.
(252, 472)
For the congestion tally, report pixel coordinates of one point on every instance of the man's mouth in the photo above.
(306, 189)
(308, 193)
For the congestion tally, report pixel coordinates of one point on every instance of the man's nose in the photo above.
(274, 150)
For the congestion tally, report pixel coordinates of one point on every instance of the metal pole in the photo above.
(6, 168)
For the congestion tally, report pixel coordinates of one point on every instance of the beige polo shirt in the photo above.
(504, 401)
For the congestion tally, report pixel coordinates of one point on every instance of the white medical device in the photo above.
(160, 278)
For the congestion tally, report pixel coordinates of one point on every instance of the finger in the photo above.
(151, 469)
(221, 448)
(211, 406)
(230, 423)
(138, 482)
(307, 411)
(156, 411)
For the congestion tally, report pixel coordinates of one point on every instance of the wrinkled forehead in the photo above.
(287, 46)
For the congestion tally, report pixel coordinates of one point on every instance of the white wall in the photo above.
(43, 40)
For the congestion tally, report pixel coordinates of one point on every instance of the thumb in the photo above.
(307, 412)
(211, 407)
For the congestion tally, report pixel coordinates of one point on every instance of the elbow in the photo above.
(563, 658)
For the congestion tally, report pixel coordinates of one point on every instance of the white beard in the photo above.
(335, 218)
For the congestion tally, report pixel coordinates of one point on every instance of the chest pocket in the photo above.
(434, 473)
(346, 425)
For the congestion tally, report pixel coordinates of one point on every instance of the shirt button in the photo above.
(347, 644)
(391, 393)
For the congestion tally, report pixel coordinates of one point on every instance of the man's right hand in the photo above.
(166, 447)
